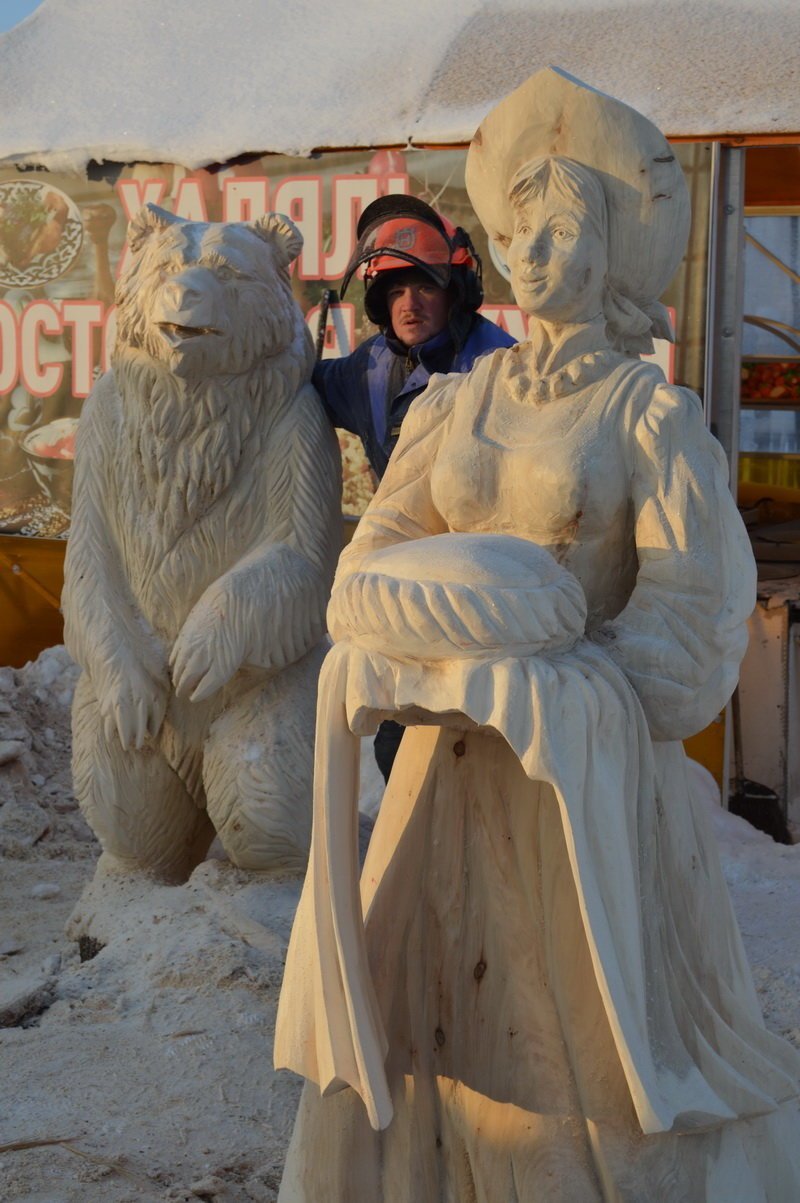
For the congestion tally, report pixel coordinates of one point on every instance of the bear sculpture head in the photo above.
(204, 299)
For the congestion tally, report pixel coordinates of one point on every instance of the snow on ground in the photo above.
(764, 880)
(145, 1072)
(151, 1062)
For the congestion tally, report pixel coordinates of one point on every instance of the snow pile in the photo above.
(152, 1061)
(764, 881)
(144, 1072)
(204, 82)
(38, 813)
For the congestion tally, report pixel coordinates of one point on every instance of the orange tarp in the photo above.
(31, 576)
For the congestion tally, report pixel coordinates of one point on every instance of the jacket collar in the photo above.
(430, 354)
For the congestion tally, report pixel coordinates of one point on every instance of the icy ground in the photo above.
(145, 1073)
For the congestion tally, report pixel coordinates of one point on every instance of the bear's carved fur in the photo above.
(206, 527)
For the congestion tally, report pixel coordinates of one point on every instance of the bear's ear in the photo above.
(282, 234)
(146, 221)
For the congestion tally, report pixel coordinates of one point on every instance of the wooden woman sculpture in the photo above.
(547, 998)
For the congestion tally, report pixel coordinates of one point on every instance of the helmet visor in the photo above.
(398, 243)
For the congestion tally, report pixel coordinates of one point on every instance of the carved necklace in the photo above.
(527, 388)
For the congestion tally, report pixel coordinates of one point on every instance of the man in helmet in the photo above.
(422, 288)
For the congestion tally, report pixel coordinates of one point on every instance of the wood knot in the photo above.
(459, 747)
(479, 970)
(439, 1037)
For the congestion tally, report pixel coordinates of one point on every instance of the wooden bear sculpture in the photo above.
(206, 526)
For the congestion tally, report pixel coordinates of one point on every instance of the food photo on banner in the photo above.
(62, 246)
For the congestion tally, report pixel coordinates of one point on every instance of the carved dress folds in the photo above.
(557, 969)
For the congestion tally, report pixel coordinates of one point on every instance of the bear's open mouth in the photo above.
(174, 332)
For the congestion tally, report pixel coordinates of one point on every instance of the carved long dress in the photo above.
(556, 963)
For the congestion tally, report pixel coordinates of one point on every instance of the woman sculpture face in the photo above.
(557, 254)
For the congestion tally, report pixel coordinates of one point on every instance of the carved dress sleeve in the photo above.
(683, 633)
(402, 507)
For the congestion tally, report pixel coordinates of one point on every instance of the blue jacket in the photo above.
(369, 392)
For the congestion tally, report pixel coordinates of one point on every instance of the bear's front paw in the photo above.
(132, 705)
(206, 653)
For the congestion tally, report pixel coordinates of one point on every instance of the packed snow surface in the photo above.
(198, 81)
(144, 1074)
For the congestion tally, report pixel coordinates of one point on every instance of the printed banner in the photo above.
(62, 245)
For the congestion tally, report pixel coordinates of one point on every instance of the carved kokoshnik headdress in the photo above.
(553, 114)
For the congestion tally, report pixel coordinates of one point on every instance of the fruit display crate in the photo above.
(770, 381)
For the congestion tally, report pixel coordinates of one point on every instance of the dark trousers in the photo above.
(387, 741)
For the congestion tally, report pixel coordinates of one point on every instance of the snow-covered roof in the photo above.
(202, 81)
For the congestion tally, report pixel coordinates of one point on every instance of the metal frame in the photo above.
(725, 302)
(724, 308)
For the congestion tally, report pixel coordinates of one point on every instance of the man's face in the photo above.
(418, 308)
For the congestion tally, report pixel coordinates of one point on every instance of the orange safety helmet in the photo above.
(399, 232)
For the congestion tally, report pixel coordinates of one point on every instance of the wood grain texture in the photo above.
(504, 1074)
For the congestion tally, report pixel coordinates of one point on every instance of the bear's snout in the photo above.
(190, 300)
